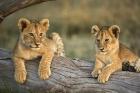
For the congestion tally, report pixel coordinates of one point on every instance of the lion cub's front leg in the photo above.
(97, 69)
(44, 70)
(108, 70)
(20, 71)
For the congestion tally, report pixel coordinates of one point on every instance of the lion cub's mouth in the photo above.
(34, 47)
(103, 51)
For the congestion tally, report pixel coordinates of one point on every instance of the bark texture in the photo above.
(10, 6)
(68, 76)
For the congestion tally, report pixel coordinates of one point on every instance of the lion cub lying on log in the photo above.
(32, 43)
(110, 53)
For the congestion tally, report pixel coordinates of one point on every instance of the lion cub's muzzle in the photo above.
(35, 45)
(103, 50)
(38, 45)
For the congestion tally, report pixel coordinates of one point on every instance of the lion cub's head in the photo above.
(32, 33)
(106, 38)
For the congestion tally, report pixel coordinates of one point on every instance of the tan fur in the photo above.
(110, 53)
(32, 43)
(60, 46)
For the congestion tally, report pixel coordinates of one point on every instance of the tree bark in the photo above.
(10, 6)
(68, 76)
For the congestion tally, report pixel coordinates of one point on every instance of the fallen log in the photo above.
(68, 76)
(10, 6)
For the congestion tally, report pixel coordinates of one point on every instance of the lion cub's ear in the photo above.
(45, 23)
(95, 29)
(22, 23)
(115, 30)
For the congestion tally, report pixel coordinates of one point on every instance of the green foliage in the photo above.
(73, 20)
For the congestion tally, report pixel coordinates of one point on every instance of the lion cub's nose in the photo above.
(37, 44)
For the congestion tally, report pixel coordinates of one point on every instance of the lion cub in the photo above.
(110, 53)
(32, 43)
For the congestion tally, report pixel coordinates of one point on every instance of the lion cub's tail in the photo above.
(59, 44)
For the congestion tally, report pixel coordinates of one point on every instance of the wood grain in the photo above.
(10, 6)
(68, 76)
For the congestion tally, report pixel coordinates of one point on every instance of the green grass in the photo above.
(79, 47)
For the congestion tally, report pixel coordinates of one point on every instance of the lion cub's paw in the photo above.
(103, 77)
(95, 73)
(20, 76)
(44, 73)
(137, 66)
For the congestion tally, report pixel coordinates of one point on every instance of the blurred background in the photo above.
(73, 20)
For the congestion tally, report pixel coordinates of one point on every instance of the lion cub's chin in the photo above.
(37, 48)
(103, 52)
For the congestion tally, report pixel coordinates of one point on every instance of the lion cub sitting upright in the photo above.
(32, 43)
(110, 53)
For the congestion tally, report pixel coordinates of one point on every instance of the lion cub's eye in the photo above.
(31, 34)
(40, 34)
(106, 40)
